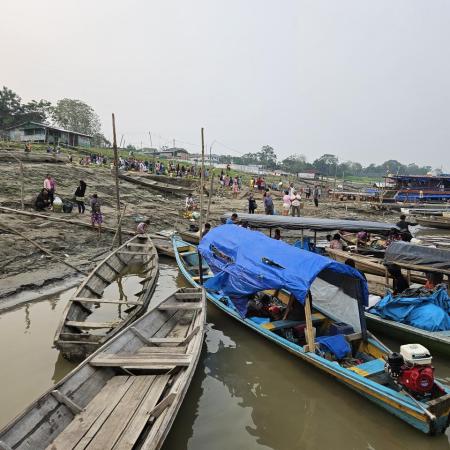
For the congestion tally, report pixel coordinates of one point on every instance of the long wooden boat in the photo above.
(33, 157)
(435, 222)
(168, 188)
(126, 395)
(367, 378)
(368, 264)
(76, 336)
(435, 341)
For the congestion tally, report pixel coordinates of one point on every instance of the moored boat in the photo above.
(76, 336)
(419, 258)
(168, 188)
(329, 331)
(126, 395)
(435, 222)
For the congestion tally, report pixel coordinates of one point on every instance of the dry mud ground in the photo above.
(24, 269)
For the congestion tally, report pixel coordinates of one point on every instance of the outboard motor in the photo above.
(412, 369)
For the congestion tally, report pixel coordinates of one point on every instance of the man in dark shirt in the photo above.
(404, 225)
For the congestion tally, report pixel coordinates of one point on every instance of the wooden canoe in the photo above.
(167, 188)
(368, 264)
(126, 395)
(369, 379)
(443, 223)
(33, 157)
(435, 341)
(75, 336)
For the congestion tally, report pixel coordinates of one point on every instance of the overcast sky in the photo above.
(365, 80)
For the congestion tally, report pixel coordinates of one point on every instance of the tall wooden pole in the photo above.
(22, 205)
(200, 265)
(116, 176)
(202, 170)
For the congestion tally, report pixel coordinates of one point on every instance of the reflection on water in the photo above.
(246, 394)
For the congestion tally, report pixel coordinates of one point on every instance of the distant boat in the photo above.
(249, 262)
(127, 394)
(76, 336)
(441, 223)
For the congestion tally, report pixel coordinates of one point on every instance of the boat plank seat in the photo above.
(125, 252)
(187, 253)
(188, 296)
(140, 361)
(114, 269)
(187, 306)
(282, 324)
(369, 368)
(103, 300)
(116, 416)
(73, 323)
(207, 275)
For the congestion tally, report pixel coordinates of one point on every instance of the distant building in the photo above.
(311, 174)
(41, 132)
(173, 153)
(197, 157)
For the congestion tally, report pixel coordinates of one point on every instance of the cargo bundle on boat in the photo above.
(313, 307)
(127, 394)
(77, 336)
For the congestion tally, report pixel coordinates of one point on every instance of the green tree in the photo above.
(38, 111)
(267, 157)
(76, 115)
(295, 164)
(10, 107)
(326, 164)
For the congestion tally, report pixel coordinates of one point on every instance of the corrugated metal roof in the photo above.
(50, 127)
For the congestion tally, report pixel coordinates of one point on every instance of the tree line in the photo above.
(70, 114)
(327, 164)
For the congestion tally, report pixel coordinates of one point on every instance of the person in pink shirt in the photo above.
(50, 185)
(286, 203)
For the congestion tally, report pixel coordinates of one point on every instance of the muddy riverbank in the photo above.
(24, 267)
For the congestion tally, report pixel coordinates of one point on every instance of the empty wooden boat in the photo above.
(168, 188)
(313, 307)
(76, 336)
(369, 264)
(126, 395)
(435, 222)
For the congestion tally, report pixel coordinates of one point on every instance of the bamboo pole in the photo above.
(18, 233)
(119, 226)
(211, 187)
(116, 176)
(200, 265)
(22, 205)
(311, 346)
(201, 184)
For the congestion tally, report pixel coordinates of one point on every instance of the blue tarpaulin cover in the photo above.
(246, 262)
(427, 313)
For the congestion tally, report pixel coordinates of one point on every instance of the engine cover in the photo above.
(417, 379)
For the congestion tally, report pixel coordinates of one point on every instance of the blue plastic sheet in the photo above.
(246, 262)
(337, 345)
(427, 313)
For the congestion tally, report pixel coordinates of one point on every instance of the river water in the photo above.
(247, 393)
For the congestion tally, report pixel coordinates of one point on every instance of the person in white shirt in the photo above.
(295, 204)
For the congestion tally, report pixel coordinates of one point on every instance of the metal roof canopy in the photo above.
(44, 125)
(312, 223)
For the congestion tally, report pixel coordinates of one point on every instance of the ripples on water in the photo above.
(246, 394)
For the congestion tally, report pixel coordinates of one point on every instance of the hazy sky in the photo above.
(366, 80)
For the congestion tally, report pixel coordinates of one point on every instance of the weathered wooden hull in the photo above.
(32, 157)
(441, 224)
(397, 403)
(436, 342)
(74, 336)
(126, 395)
(158, 186)
(367, 265)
